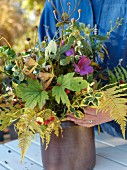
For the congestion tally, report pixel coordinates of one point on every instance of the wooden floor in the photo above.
(111, 154)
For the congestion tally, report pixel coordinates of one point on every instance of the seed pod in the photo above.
(79, 10)
(68, 3)
(28, 39)
(72, 20)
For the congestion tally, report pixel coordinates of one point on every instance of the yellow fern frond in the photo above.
(114, 100)
(26, 130)
(24, 142)
(53, 127)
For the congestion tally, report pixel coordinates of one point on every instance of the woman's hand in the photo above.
(91, 118)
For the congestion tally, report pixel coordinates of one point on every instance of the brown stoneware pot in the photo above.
(74, 151)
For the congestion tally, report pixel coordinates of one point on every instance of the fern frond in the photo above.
(24, 142)
(25, 130)
(124, 71)
(114, 100)
(52, 127)
(119, 73)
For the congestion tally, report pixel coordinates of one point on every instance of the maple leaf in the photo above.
(32, 94)
(69, 82)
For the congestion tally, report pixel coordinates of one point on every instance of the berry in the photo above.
(46, 122)
(49, 87)
(58, 84)
(121, 81)
(25, 50)
(40, 123)
(52, 118)
(67, 91)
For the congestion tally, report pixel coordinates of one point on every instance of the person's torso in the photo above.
(102, 12)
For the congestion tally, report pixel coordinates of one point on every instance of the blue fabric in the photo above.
(101, 13)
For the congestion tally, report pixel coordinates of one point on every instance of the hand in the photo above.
(91, 118)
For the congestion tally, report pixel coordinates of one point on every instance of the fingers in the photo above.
(89, 110)
(87, 121)
(91, 118)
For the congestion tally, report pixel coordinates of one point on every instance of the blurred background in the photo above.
(18, 18)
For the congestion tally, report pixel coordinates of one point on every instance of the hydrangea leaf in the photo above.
(68, 82)
(32, 94)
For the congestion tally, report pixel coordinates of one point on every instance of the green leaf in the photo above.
(32, 94)
(21, 77)
(65, 48)
(99, 37)
(59, 93)
(69, 82)
(112, 78)
(77, 84)
(71, 40)
(77, 113)
(65, 61)
(124, 71)
(41, 61)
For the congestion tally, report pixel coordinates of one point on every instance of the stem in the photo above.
(5, 40)
(60, 48)
(36, 31)
(76, 6)
(57, 32)
(61, 6)
(56, 9)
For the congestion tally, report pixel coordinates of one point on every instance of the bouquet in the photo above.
(49, 80)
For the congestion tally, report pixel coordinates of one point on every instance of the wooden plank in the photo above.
(34, 148)
(105, 164)
(3, 168)
(33, 153)
(111, 153)
(110, 140)
(11, 160)
(108, 152)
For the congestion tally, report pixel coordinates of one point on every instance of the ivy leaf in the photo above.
(69, 82)
(32, 94)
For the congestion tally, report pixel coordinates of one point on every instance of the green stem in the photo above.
(60, 49)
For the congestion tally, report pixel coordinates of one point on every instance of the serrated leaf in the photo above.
(69, 82)
(32, 94)
(59, 93)
(115, 99)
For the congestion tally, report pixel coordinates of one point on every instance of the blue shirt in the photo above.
(99, 12)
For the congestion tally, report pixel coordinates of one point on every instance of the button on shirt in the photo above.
(95, 12)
